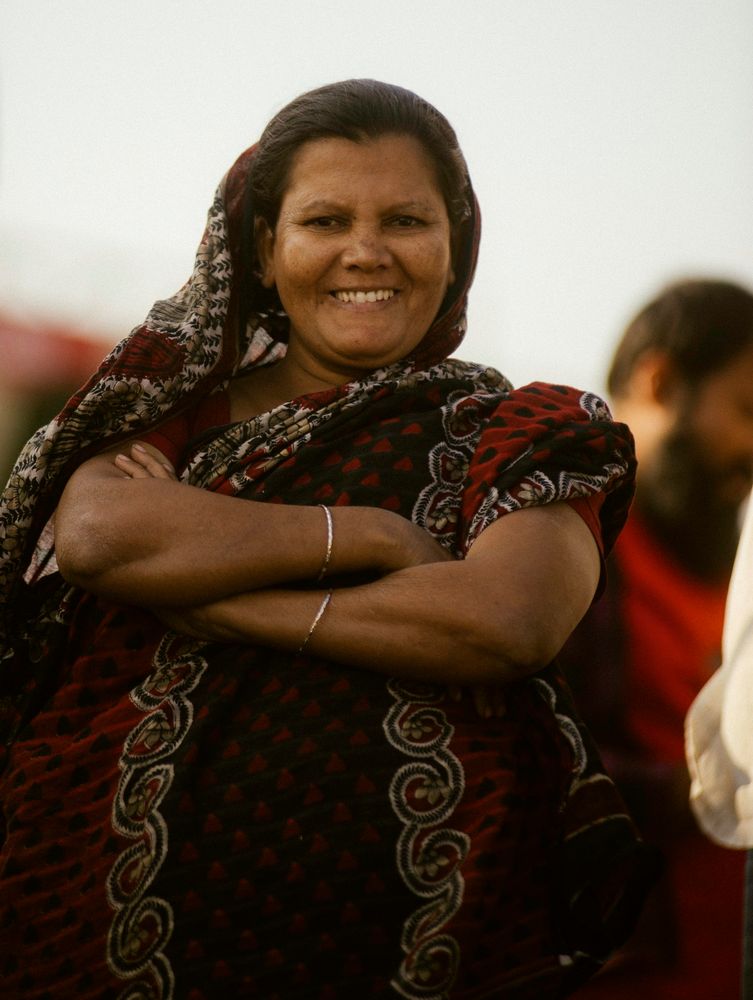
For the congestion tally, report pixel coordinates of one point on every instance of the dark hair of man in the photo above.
(701, 325)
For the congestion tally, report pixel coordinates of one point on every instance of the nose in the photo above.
(366, 249)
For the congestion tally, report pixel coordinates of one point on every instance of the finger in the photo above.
(158, 468)
(455, 692)
(131, 469)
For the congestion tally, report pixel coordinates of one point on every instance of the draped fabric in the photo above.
(184, 818)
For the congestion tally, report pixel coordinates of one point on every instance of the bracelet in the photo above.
(330, 537)
(317, 619)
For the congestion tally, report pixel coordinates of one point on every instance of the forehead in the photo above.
(390, 165)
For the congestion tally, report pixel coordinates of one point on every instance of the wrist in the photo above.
(364, 540)
(391, 542)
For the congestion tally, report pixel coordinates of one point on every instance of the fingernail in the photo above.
(138, 447)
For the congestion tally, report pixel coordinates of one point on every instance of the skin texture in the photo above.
(127, 529)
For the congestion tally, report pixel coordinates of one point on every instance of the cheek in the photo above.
(722, 435)
(434, 266)
(296, 267)
(297, 293)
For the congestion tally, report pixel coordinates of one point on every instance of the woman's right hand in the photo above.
(142, 463)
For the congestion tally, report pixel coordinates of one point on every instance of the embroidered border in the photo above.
(424, 794)
(425, 791)
(143, 925)
(582, 778)
(537, 489)
(438, 504)
(567, 727)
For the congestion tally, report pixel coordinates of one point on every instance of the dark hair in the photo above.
(702, 325)
(356, 110)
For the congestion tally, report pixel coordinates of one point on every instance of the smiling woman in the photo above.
(281, 709)
(360, 255)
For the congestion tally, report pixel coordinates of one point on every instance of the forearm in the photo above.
(156, 542)
(500, 614)
(171, 543)
(405, 624)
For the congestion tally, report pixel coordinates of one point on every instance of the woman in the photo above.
(279, 544)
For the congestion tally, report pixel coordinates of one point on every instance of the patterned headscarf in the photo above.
(188, 346)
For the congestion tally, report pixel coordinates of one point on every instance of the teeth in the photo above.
(380, 295)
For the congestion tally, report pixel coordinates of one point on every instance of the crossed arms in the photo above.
(228, 569)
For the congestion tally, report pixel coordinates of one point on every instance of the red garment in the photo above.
(202, 817)
(674, 627)
(688, 943)
(213, 411)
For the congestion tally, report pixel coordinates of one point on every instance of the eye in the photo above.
(323, 222)
(406, 221)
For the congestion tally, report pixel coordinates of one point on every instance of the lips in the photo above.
(360, 297)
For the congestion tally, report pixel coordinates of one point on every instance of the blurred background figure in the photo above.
(682, 378)
(43, 362)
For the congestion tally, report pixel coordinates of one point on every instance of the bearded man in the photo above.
(682, 378)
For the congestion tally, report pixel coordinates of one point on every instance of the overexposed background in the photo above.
(610, 144)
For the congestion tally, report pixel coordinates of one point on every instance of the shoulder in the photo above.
(551, 400)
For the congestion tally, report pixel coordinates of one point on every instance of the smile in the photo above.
(377, 295)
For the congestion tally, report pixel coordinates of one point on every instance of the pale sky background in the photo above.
(610, 143)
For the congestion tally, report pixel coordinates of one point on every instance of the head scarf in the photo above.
(188, 346)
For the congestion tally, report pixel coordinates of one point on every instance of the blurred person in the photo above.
(682, 377)
(244, 573)
(719, 736)
(44, 361)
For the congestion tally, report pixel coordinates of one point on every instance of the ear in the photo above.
(265, 242)
(655, 379)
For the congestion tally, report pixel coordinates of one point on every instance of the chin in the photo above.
(367, 359)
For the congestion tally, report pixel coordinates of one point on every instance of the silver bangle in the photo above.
(330, 538)
(317, 619)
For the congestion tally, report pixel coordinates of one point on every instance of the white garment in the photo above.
(719, 725)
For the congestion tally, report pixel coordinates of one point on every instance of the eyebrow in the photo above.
(325, 206)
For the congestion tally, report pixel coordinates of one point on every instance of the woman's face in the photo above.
(360, 255)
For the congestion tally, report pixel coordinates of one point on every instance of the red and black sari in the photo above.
(185, 819)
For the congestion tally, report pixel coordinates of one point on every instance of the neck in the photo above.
(265, 388)
(286, 381)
